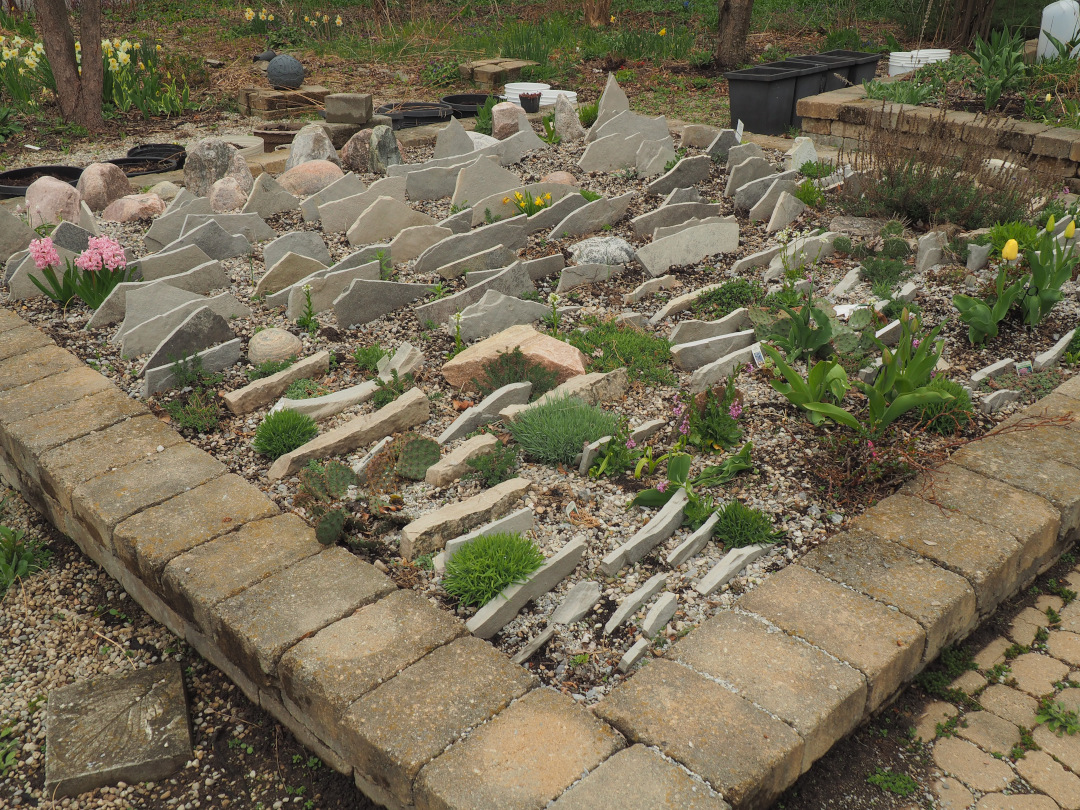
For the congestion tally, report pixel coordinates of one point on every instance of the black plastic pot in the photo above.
(13, 183)
(863, 65)
(175, 151)
(465, 105)
(810, 81)
(416, 113)
(763, 98)
(836, 69)
(530, 102)
(138, 166)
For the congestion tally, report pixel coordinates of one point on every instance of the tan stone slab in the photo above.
(1070, 615)
(213, 572)
(819, 697)
(1064, 646)
(942, 602)
(146, 542)
(9, 320)
(27, 440)
(1065, 748)
(1010, 704)
(1045, 775)
(85, 458)
(991, 654)
(393, 731)
(743, 753)
(257, 626)
(524, 758)
(884, 645)
(988, 731)
(44, 395)
(18, 341)
(101, 504)
(323, 675)
(1032, 460)
(936, 713)
(986, 557)
(1036, 674)
(1016, 801)
(976, 769)
(952, 795)
(1025, 626)
(638, 778)
(1031, 520)
(430, 532)
(970, 682)
(260, 393)
(1056, 142)
(456, 463)
(35, 365)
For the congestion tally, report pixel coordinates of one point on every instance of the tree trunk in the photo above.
(734, 26)
(79, 96)
(596, 12)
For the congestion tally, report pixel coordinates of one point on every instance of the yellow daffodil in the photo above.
(3, 39)
(506, 200)
(337, 21)
(136, 46)
(1010, 251)
(307, 18)
(249, 15)
(1070, 229)
(3, 65)
(662, 32)
(22, 71)
(313, 23)
(325, 18)
(124, 58)
(548, 196)
(39, 48)
(116, 42)
(142, 66)
(78, 47)
(538, 201)
(1049, 98)
(262, 15)
(1050, 224)
(612, 18)
(518, 195)
(125, 45)
(270, 17)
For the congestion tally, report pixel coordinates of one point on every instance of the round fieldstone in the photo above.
(273, 344)
(285, 72)
(563, 178)
(101, 184)
(603, 250)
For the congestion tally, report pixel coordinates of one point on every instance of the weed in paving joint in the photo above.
(283, 431)
(480, 570)
(1057, 717)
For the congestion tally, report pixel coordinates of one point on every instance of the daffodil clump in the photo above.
(527, 204)
(135, 77)
(25, 73)
(320, 26)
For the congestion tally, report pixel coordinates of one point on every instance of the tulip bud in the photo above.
(1010, 251)
(1049, 98)
(1050, 224)
(1070, 229)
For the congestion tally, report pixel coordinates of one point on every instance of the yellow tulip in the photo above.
(506, 200)
(1070, 229)
(1049, 98)
(1010, 251)
(1050, 224)
(662, 32)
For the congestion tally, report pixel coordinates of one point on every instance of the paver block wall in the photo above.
(386, 687)
(843, 117)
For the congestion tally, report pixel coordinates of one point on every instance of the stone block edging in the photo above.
(842, 117)
(382, 685)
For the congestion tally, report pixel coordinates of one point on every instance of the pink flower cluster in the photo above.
(735, 410)
(44, 253)
(103, 252)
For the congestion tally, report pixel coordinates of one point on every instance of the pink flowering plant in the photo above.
(619, 455)
(91, 277)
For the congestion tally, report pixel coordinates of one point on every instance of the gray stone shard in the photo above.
(687, 172)
(592, 217)
(267, 198)
(509, 233)
(748, 195)
(302, 243)
(494, 313)
(144, 336)
(159, 265)
(487, 410)
(689, 247)
(579, 275)
(216, 358)
(214, 241)
(348, 185)
(578, 601)
(452, 140)
(200, 330)
(365, 301)
(250, 226)
(514, 281)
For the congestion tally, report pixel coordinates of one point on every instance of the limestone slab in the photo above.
(260, 393)
(456, 463)
(664, 524)
(200, 330)
(689, 247)
(510, 233)
(364, 300)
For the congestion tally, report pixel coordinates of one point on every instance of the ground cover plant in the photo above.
(483, 567)
(553, 432)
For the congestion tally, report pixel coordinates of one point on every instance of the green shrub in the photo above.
(900, 784)
(808, 192)
(497, 466)
(554, 432)
(587, 113)
(883, 275)
(817, 169)
(1026, 236)
(19, 558)
(283, 431)
(738, 525)
(893, 247)
(842, 244)
(726, 298)
(946, 418)
(481, 569)
(269, 368)
(368, 357)
(514, 367)
(305, 389)
(197, 411)
(610, 344)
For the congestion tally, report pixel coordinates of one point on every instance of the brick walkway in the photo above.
(987, 741)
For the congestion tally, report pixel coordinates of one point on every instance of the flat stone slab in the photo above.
(365, 300)
(663, 524)
(260, 393)
(689, 247)
(525, 757)
(578, 601)
(456, 463)
(748, 755)
(632, 603)
(126, 727)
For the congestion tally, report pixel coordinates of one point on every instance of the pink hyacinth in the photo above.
(102, 252)
(44, 253)
(630, 443)
(735, 410)
(662, 486)
(684, 428)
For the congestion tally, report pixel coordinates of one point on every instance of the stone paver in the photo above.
(970, 682)
(991, 654)
(1026, 624)
(884, 645)
(1064, 646)
(1044, 774)
(952, 795)
(1065, 748)
(936, 712)
(989, 732)
(255, 627)
(637, 778)
(821, 698)
(524, 758)
(35, 365)
(1010, 704)
(1016, 801)
(745, 754)
(43, 395)
(396, 729)
(1036, 674)
(976, 769)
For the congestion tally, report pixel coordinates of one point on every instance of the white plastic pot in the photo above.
(516, 88)
(901, 62)
(1062, 21)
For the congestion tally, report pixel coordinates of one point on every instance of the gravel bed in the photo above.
(801, 476)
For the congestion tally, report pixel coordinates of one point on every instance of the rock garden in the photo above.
(582, 381)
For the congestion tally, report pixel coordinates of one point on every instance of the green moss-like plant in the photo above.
(305, 389)
(283, 431)
(480, 570)
(739, 526)
(269, 367)
(946, 418)
(554, 432)
(610, 344)
(726, 298)
(514, 367)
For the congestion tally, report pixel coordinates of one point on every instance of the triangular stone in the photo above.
(326, 287)
(267, 198)
(612, 102)
(303, 243)
(482, 179)
(337, 216)
(452, 140)
(146, 335)
(15, 235)
(214, 241)
(145, 302)
(365, 301)
(345, 186)
(288, 270)
(384, 219)
(202, 329)
(159, 265)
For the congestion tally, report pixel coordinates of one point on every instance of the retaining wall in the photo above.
(382, 685)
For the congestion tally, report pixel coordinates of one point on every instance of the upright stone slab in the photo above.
(202, 329)
(214, 241)
(452, 140)
(689, 247)
(653, 157)
(126, 727)
(494, 313)
(514, 280)
(753, 168)
(612, 102)
(167, 227)
(740, 152)
(592, 217)
(302, 243)
(365, 301)
(267, 198)
(338, 215)
(348, 185)
(481, 179)
(159, 265)
(144, 336)
(722, 143)
(509, 233)
(801, 152)
(15, 235)
(788, 208)
(202, 279)
(288, 270)
(749, 195)
(611, 153)
(567, 122)
(383, 220)
(411, 242)
(687, 172)
(673, 214)
(492, 258)
(250, 226)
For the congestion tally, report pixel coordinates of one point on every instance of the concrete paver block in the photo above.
(1010, 704)
(976, 769)
(256, 627)
(935, 713)
(44, 395)
(1036, 674)
(396, 729)
(35, 365)
(21, 340)
(742, 752)
(819, 697)
(1044, 774)
(989, 732)
(1064, 646)
(524, 758)
(883, 644)
(1016, 801)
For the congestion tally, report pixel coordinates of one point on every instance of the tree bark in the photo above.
(79, 95)
(596, 12)
(734, 26)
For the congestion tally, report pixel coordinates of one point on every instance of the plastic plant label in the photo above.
(1024, 369)
(756, 353)
(739, 131)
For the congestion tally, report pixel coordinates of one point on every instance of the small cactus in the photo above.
(415, 456)
(330, 526)
(329, 482)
